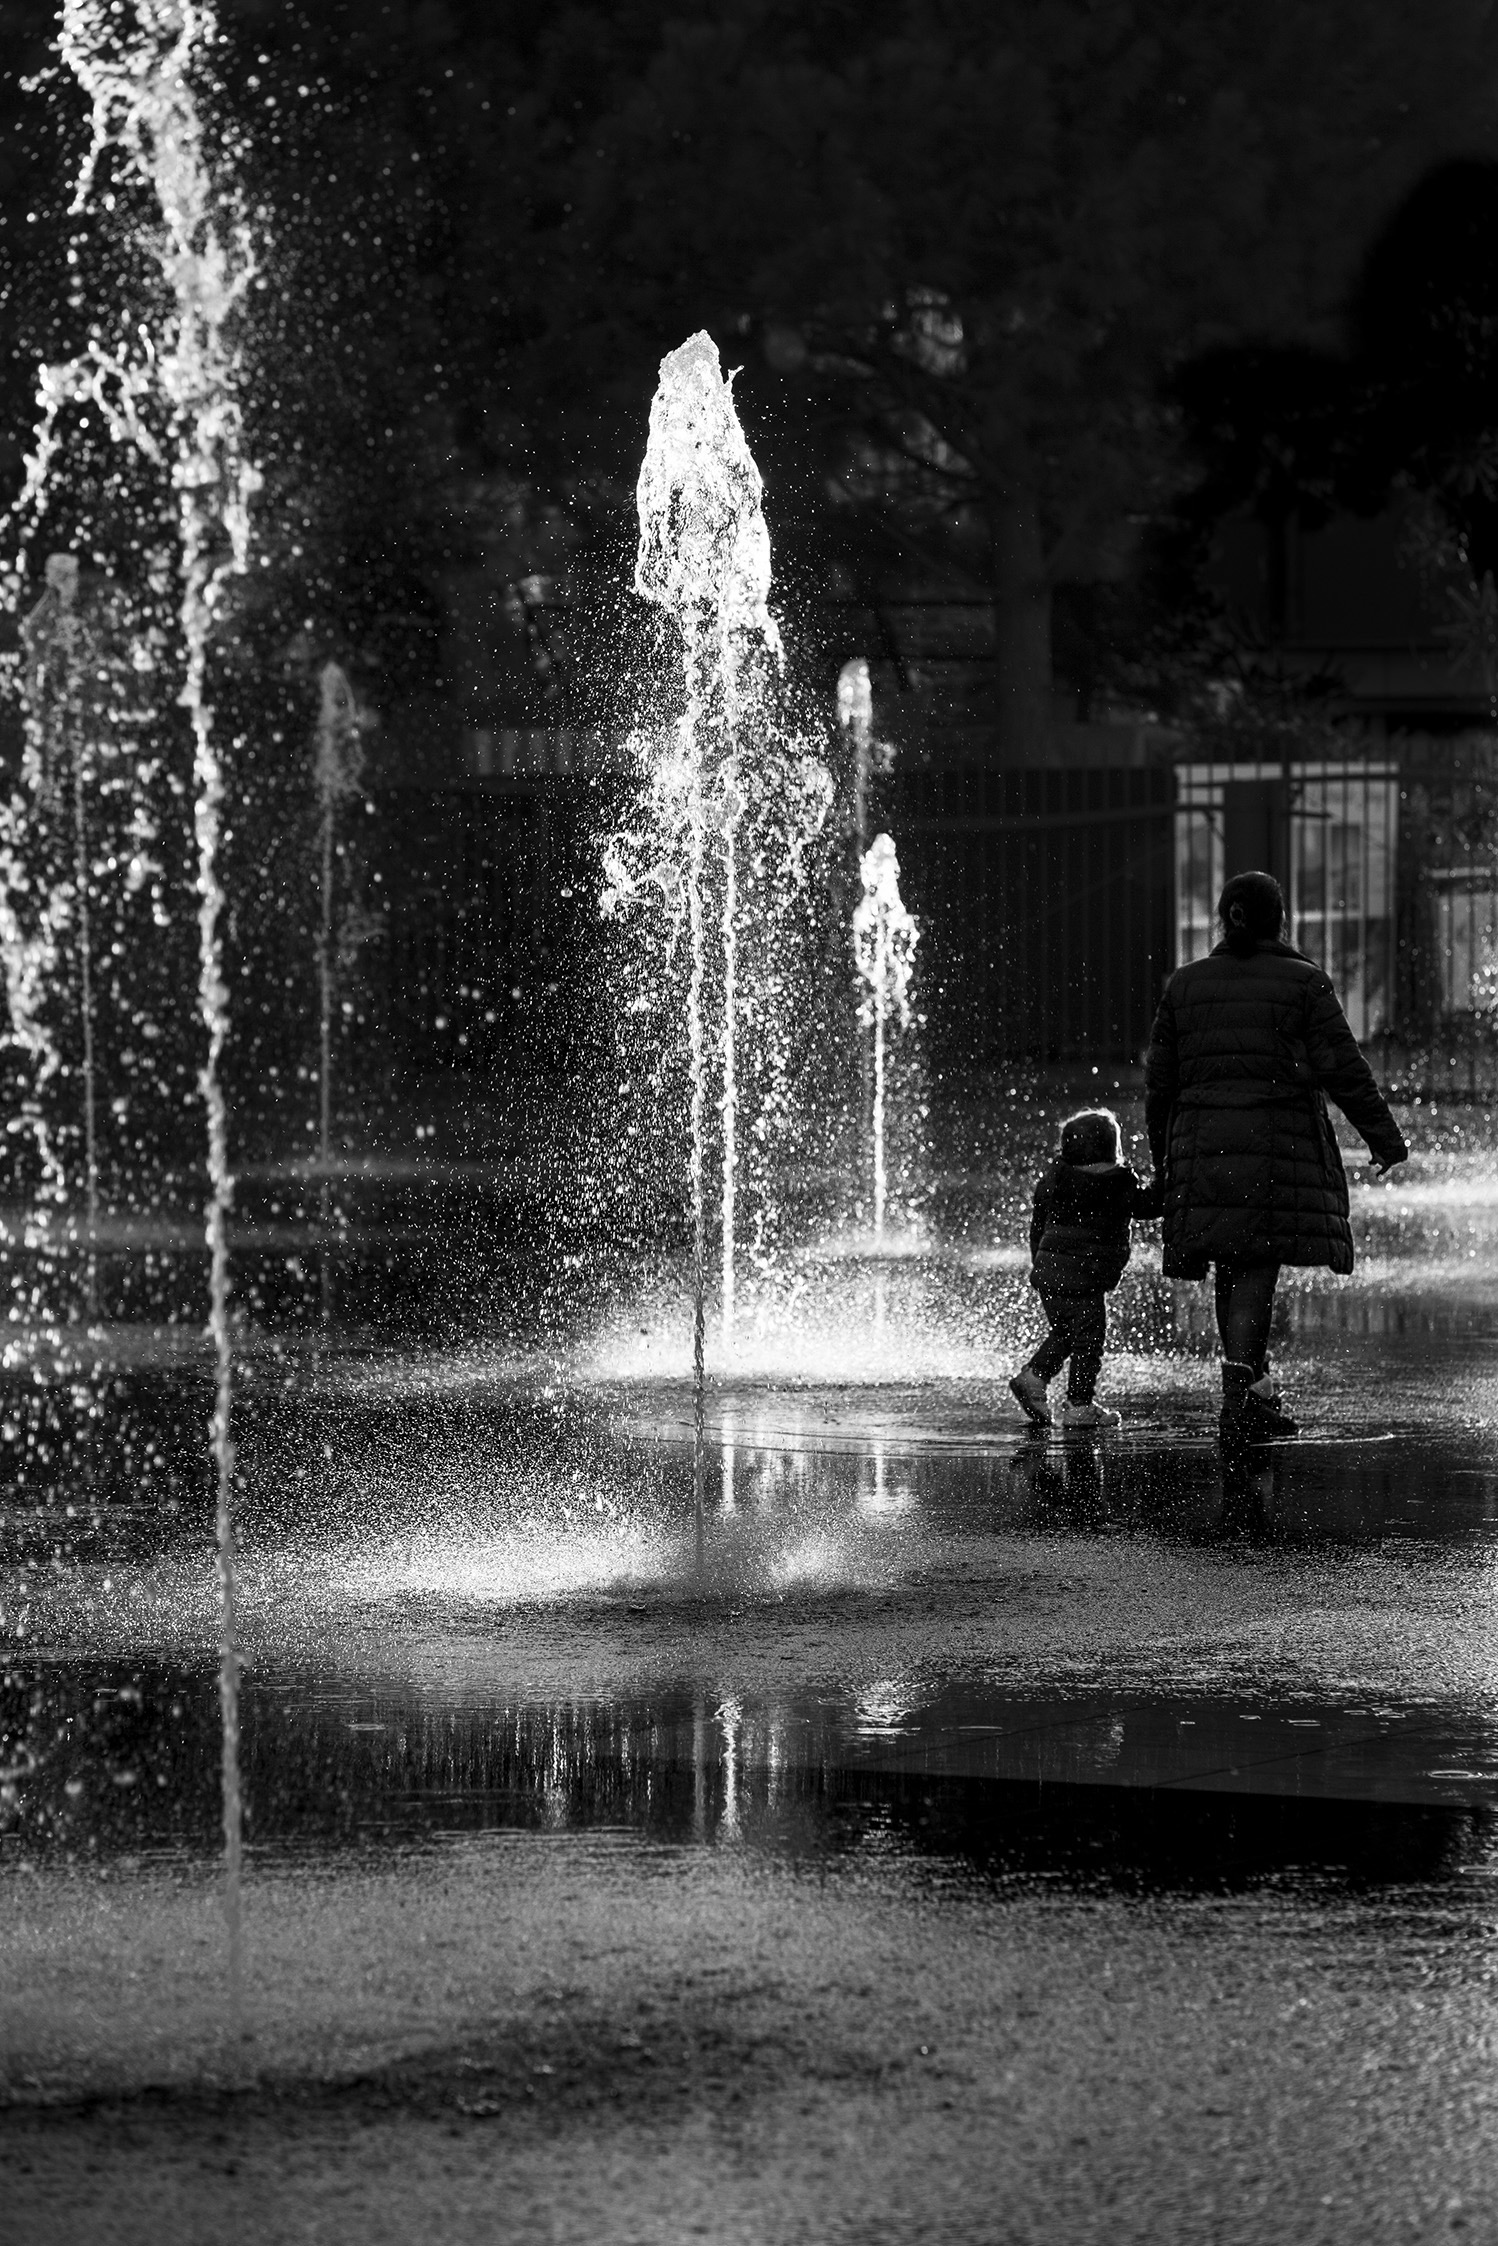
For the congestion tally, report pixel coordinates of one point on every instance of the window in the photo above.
(1328, 832)
(1466, 940)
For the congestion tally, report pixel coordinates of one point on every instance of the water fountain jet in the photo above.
(884, 941)
(52, 691)
(704, 557)
(167, 389)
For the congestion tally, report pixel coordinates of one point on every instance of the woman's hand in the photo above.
(1380, 1166)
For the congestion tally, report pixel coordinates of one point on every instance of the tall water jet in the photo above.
(338, 761)
(704, 557)
(80, 903)
(166, 386)
(884, 941)
(52, 697)
(56, 618)
(62, 576)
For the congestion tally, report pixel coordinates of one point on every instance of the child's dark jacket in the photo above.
(1079, 1228)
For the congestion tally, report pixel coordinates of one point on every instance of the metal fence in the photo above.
(477, 895)
(1389, 860)
(1053, 903)
(1044, 898)
(1329, 831)
(1442, 1032)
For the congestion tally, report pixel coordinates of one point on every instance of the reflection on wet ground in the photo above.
(471, 1600)
(121, 1760)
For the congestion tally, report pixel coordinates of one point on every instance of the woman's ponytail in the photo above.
(1252, 911)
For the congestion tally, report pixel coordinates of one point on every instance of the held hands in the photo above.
(1381, 1165)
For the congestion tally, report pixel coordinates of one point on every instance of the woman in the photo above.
(1248, 1045)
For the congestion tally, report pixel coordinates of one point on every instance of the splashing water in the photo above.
(169, 391)
(722, 835)
(884, 941)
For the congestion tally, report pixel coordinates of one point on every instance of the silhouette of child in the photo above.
(1079, 1245)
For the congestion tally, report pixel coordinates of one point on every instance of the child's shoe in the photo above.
(1090, 1415)
(1028, 1391)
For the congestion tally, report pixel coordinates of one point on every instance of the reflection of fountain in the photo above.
(166, 393)
(730, 1718)
(730, 1457)
(884, 941)
(339, 760)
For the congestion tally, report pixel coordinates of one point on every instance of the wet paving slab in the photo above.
(950, 1785)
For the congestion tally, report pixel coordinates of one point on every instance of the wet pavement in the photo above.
(1012, 1713)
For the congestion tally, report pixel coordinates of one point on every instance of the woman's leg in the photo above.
(1245, 1309)
(1222, 1301)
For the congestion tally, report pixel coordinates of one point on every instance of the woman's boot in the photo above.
(1251, 1411)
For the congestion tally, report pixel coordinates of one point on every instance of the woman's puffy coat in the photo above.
(1244, 1054)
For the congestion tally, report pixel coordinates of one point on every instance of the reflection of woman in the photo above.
(1248, 1045)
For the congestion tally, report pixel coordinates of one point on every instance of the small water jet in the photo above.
(884, 942)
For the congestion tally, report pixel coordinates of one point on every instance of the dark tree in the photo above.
(972, 242)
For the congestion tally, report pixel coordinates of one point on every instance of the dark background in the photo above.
(1065, 329)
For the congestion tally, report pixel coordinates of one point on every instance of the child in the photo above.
(1079, 1244)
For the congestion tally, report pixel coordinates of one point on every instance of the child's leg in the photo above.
(1051, 1355)
(1089, 1331)
(1057, 1346)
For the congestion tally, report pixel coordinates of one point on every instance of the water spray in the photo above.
(884, 941)
(52, 689)
(704, 557)
(855, 714)
(62, 576)
(168, 389)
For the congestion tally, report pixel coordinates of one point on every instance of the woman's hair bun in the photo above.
(1252, 911)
